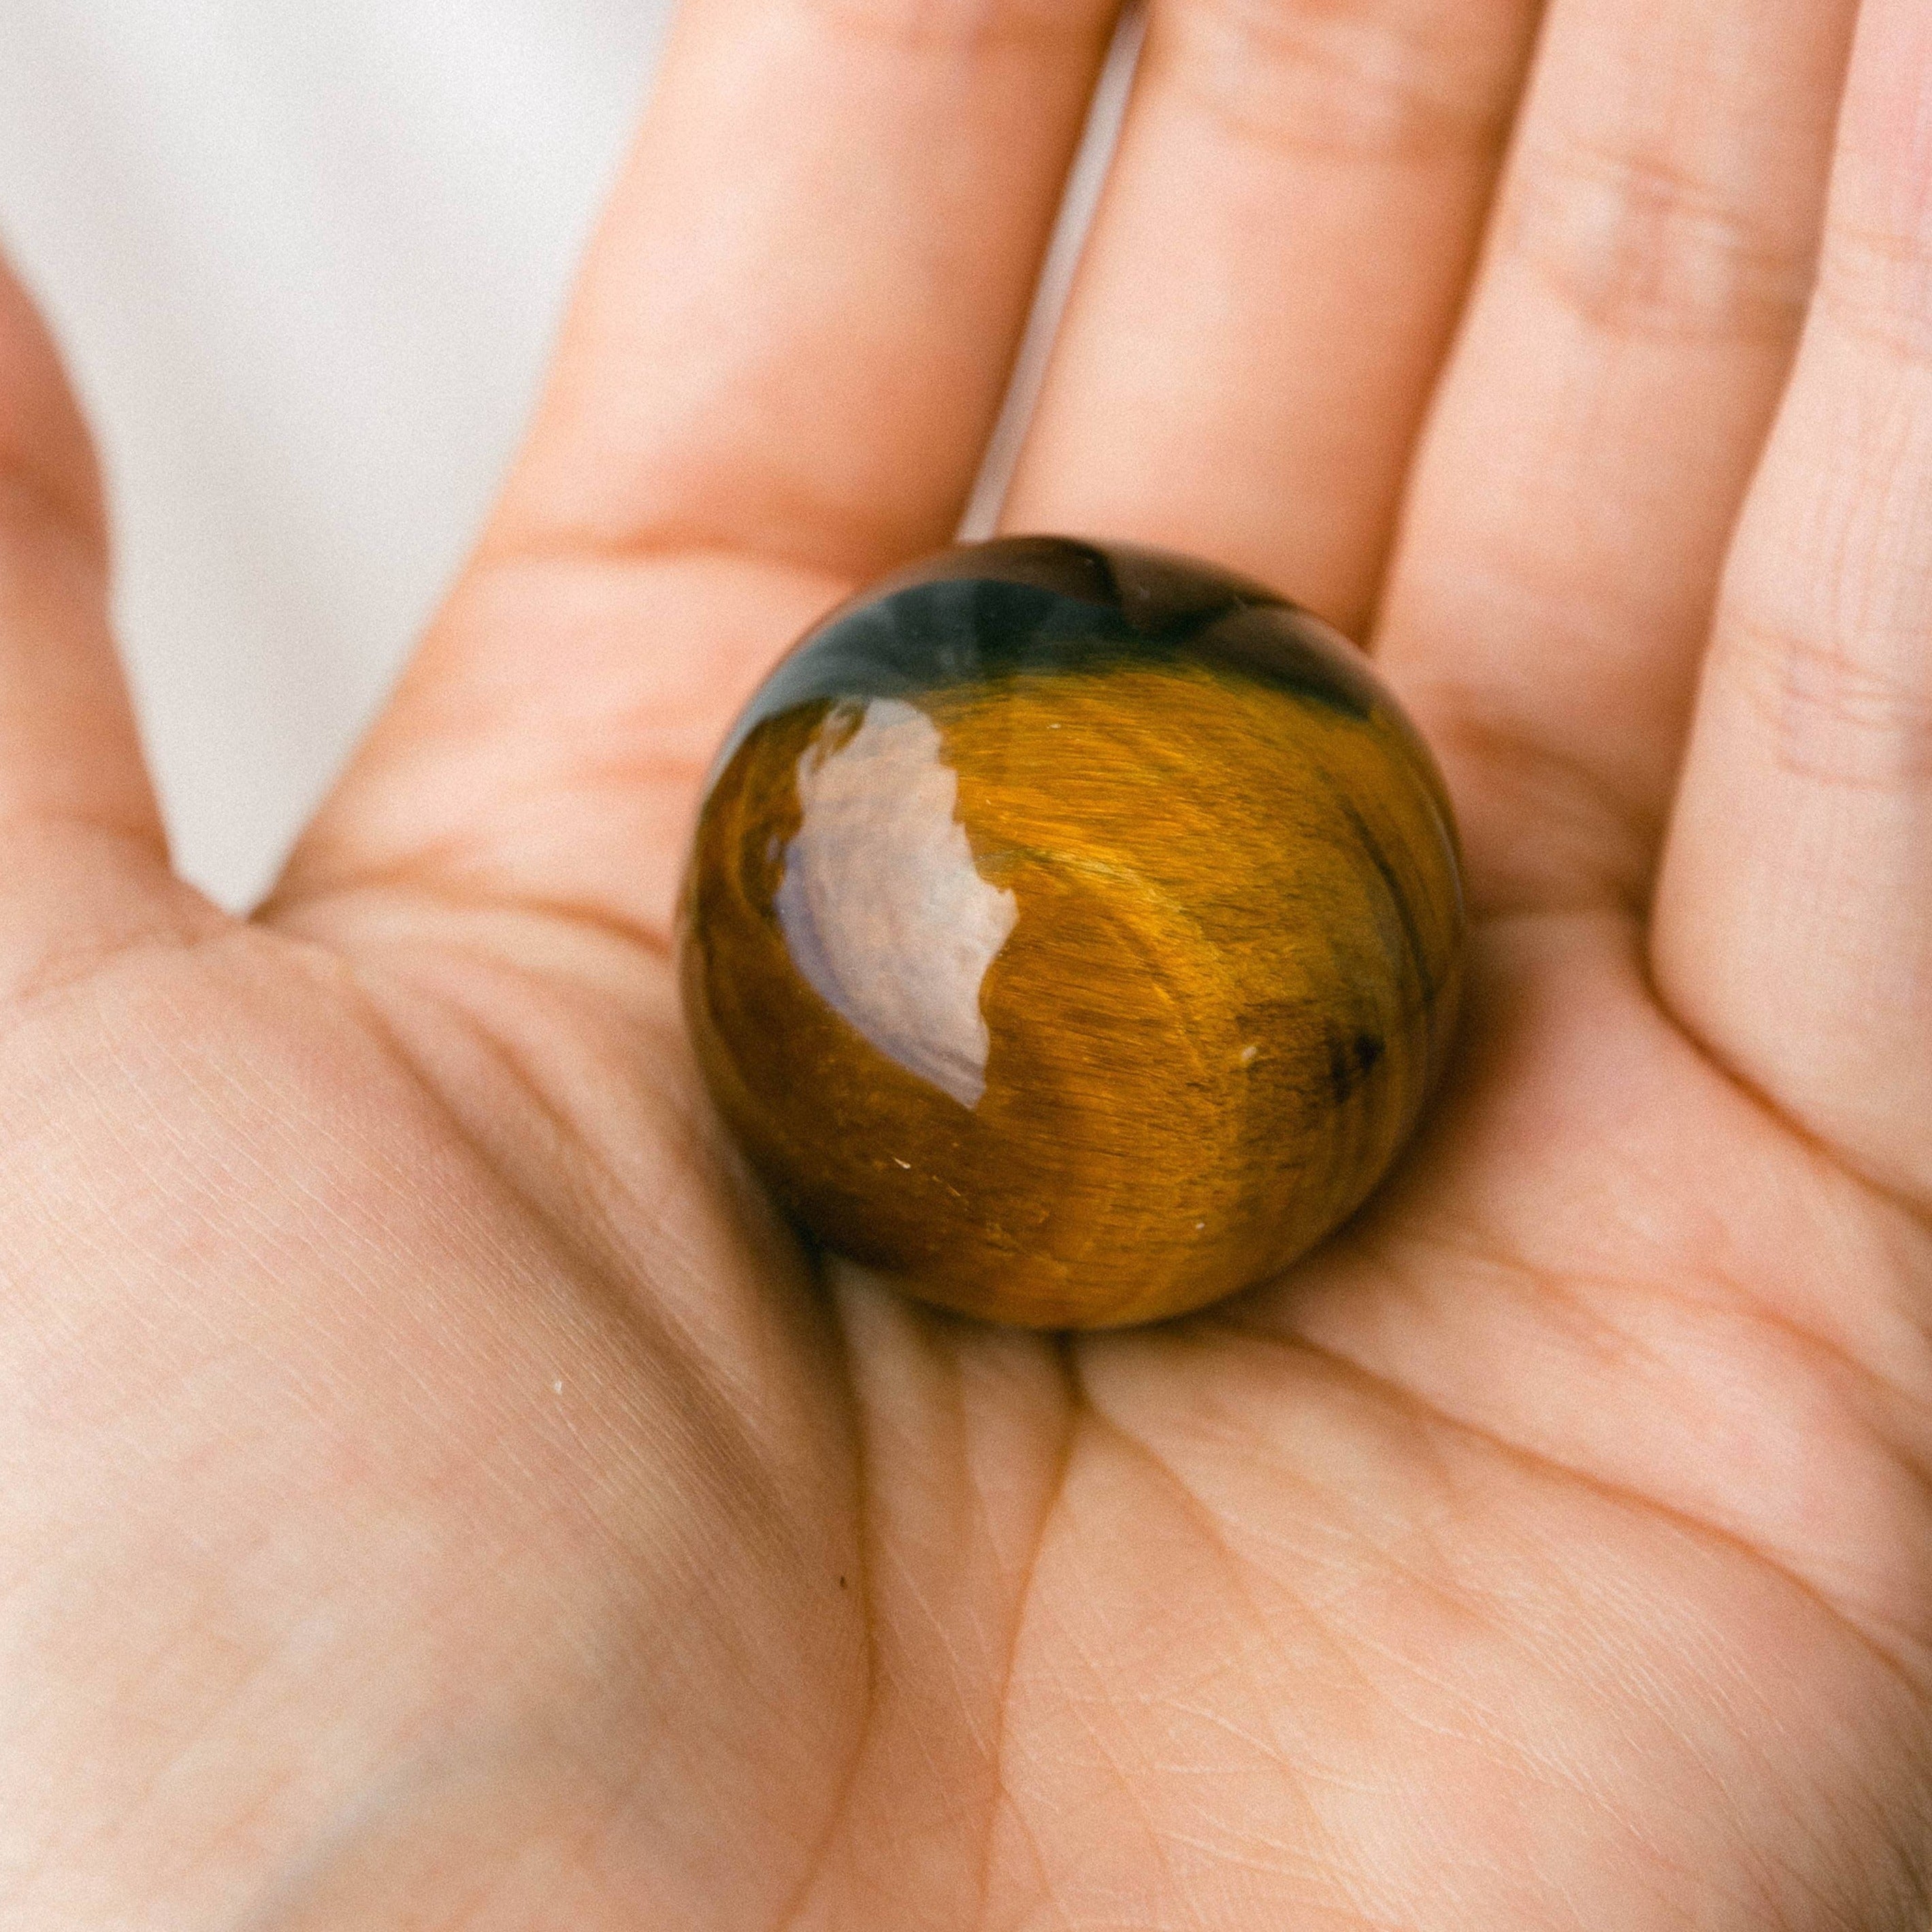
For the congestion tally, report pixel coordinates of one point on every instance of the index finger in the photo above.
(795, 328)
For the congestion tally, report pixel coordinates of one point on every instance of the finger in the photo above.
(1650, 261)
(1275, 268)
(796, 324)
(83, 858)
(68, 751)
(778, 372)
(1794, 925)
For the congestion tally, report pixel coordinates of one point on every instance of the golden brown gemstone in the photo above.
(1073, 934)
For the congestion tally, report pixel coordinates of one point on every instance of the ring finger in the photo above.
(1794, 925)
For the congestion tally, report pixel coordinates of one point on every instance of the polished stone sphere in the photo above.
(1072, 933)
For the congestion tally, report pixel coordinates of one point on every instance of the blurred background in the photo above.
(306, 262)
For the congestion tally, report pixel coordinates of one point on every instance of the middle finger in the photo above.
(1275, 267)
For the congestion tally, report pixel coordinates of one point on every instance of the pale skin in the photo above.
(434, 1492)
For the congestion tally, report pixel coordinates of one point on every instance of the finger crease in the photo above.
(1351, 88)
(1836, 718)
(1875, 286)
(1638, 247)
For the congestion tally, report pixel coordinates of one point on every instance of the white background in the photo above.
(306, 261)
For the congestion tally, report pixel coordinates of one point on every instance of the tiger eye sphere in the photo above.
(1072, 933)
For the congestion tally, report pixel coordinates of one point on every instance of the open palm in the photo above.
(436, 1493)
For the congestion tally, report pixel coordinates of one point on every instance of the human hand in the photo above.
(434, 1493)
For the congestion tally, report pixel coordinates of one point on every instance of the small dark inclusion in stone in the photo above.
(1072, 933)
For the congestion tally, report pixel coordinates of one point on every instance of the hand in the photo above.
(435, 1495)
